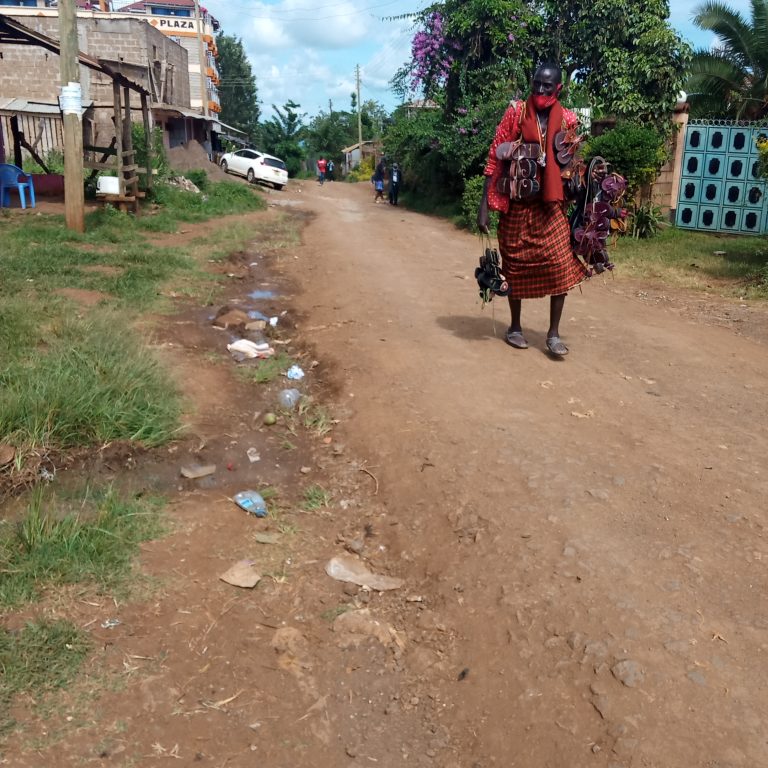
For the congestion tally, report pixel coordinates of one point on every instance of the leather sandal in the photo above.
(556, 347)
(516, 339)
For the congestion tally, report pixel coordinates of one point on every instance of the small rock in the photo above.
(305, 470)
(228, 317)
(266, 538)
(625, 747)
(575, 641)
(351, 751)
(351, 589)
(628, 672)
(7, 454)
(598, 493)
(355, 545)
(569, 551)
(596, 648)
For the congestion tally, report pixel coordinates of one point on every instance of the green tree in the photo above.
(283, 135)
(629, 59)
(731, 79)
(237, 89)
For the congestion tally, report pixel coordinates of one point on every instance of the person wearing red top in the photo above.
(322, 165)
(534, 237)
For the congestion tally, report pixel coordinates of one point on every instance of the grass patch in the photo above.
(221, 198)
(38, 659)
(60, 541)
(90, 385)
(265, 370)
(315, 497)
(314, 417)
(688, 260)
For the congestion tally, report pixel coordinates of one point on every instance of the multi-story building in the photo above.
(187, 24)
(194, 29)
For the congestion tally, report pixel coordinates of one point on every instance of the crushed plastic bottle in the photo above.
(288, 398)
(252, 502)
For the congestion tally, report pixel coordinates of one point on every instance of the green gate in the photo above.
(720, 186)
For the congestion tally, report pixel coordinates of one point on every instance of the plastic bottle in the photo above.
(288, 398)
(252, 502)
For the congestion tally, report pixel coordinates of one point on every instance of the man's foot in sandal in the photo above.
(516, 339)
(556, 347)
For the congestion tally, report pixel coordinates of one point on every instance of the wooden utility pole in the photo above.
(74, 196)
(359, 114)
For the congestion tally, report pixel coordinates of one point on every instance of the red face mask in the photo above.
(541, 102)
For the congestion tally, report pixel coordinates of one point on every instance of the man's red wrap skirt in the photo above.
(535, 247)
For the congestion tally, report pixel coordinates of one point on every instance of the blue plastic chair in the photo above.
(12, 177)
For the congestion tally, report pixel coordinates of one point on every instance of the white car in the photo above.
(255, 166)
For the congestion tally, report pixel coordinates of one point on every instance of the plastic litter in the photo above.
(252, 502)
(194, 471)
(253, 455)
(110, 623)
(273, 321)
(295, 373)
(351, 569)
(288, 398)
(250, 349)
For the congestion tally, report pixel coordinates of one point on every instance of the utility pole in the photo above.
(330, 108)
(359, 113)
(203, 61)
(74, 195)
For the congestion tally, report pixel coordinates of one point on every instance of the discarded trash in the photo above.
(352, 570)
(267, 538)
(193, 471)
(288, 398)
(295, 373)
(270, 419)
(273, 321)
(242, 574)
(250, 349)
(110, 623)
(253, 455)
(252, 502)
(255, 325)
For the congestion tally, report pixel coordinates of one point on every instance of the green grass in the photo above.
(74, 376)
(66, 541)
(687, 259)
(41, 657)
(88, 384)
(315, 497)
(265, 370)
(314, 417)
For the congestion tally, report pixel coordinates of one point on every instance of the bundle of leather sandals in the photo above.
(519, 179)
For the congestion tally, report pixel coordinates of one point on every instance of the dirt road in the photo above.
(591, 532)
(582, 542)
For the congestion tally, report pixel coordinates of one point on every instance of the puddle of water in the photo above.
(254, 314)
(262, 295)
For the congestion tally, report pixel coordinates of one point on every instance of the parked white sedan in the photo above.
(255, 166)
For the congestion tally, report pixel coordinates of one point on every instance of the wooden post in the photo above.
(118, 133)
(74, 194)
(16, 133)
(149, 137)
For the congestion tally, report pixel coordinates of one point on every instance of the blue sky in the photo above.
(306, 50)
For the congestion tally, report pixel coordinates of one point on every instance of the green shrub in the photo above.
(646, 221)
(363, 172)
(198, 177)
(470, 202)
(636, 152)
(159, 158)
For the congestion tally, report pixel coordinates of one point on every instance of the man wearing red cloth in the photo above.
(534, 236)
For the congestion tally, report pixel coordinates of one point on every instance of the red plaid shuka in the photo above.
(535, 248)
